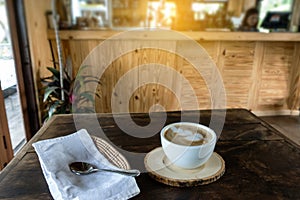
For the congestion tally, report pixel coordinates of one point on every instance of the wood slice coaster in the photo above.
(160, 169)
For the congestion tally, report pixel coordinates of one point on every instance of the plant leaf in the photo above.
(87, 96)
(92, 81)
(53, 109)
(82, 68)
(55, 72)
(48, 91)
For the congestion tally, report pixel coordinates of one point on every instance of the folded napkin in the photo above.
(55, 155)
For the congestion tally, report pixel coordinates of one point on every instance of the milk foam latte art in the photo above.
(187, 135)
(188, 145)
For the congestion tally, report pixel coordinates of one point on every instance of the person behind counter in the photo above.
(250, 20)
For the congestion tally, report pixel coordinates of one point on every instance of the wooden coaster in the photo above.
(160, 169)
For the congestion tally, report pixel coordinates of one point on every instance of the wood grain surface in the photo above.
(187, 178)
(260, 162)
(258, 75)
(6, 151)
(94, 34)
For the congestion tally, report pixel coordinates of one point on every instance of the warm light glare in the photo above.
(209, 8)
(161, 13)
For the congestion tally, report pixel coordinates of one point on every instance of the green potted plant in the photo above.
(53, 103)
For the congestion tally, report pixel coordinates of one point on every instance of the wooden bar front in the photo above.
(260, 71)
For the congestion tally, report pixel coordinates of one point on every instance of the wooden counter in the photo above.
(260, 71)
(195, 35)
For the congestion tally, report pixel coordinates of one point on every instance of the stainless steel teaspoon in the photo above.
(82, 168)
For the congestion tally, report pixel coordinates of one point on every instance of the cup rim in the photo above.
(212, 132)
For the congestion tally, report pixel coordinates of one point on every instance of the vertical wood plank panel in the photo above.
(273, 91)
(37, 34)
(6, 152)
(253, 94)
(199, 81)
(236, 63)
(293, 100)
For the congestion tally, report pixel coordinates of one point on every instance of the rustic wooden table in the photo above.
(260, 162)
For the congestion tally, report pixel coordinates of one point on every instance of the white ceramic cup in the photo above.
(186, 155)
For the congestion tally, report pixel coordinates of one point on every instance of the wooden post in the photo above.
(293, 100)
(184, 19)
(295, 20)
(235, 7)
(6, 152)
(22, 57)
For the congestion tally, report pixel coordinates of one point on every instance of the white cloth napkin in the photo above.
(55, 155)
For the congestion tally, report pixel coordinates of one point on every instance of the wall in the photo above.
(36, 20)
(40, 51)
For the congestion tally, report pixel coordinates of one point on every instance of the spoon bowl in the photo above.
(83, 168)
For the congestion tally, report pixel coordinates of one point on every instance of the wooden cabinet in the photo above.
(127, 13)
(237, 7)
(99, 10)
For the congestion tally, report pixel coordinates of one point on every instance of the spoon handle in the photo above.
(130, 172)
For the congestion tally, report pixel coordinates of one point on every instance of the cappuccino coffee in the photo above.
(188, 145)
(187, 135)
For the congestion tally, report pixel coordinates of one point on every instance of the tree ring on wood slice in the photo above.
(160, 169)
